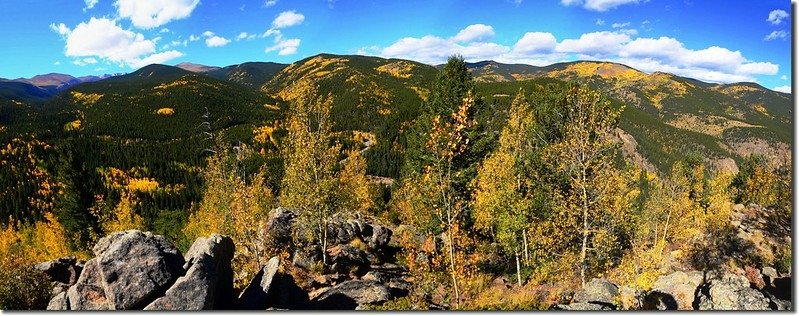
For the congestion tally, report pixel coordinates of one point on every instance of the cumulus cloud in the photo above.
(533, 43)
(775, 35)
(281, 45)
(287, 19)
(212, 40)
(783, 89)
(102, 39)
(599, 5)
(666, 54)
(147, 14)
(285, 47)
(216, 41)
(776, 16)
(475, 32)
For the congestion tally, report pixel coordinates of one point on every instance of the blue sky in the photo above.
(711, 40)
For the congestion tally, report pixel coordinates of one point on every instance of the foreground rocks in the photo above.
(139, 270)
(691, 290)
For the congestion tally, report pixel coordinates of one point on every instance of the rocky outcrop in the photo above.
(208, 282)
(350, 294)
(598, 291)
(64, 271)
(256, 294)
(731, 292)
(131, 269)
(676, 291)
(139, 270)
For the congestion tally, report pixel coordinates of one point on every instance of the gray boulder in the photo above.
(60, 302)
(731, 292)
(380, 237)
(208, 283)
(675, 291)
(88, 292)
(581, 306)
(597, 291)
(136, 267)
(256, 294)
(350, 294)
(279, 225)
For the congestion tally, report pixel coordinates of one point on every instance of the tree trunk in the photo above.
(518, 270)
(526, 249)
(584, 248)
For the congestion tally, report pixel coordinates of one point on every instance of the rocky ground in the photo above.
(139, 270)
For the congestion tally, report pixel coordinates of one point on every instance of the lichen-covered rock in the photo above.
(59, 302)
(136, 267)
(88, 292)
(208, 283)
(350, 294)
(597, 291)
(582, 306)
(731, 292)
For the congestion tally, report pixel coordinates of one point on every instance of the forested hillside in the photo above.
(505, 186)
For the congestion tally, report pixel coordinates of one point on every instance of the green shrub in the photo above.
(22, 287)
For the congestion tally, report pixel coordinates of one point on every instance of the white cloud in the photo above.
(776, 16)
(714, 64)
(783, 89)
(90, 4)
(147, 14)
(595, 44)
(533, 43)
(775, 35)
(620, 25)
(287, 19)
(193, 38)
(600, 22)
(102, 39)
(158, 58)
(784, 77)
(245, 36)
(57, 63)
(61, 29)
(285, 47)
(270, 3)
(212, 40)
(164, 30)
(599, 5)
(475, 32)
(85, 61)
(216, 41)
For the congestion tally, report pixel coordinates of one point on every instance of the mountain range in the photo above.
(665, 117)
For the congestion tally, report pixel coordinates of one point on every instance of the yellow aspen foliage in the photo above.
(165, 111)
(124, 216)
(231, 206)
(355, 192)
(142, 185)
(309, 183)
